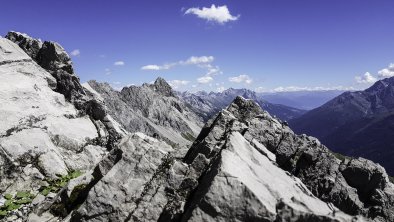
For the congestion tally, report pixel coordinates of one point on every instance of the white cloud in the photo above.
(119, 63)
(387, 72)
(366, 78)
(259, 89)
(157, 67)
(107, 71)
(219, 14)
(241, 79)
(75, 52)
(220, 89)
(151, 67)
(177, 83)
(211, 70)
(205, 79)
(194, 60)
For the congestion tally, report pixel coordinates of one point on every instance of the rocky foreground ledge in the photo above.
(64, 157)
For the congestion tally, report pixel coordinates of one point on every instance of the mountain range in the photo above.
(85, 152)
(357, 123)
(305, 100)
(208, 104)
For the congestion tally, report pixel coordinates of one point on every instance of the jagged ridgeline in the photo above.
(85, 152)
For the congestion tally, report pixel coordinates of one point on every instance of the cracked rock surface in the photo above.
(153, 109)
(37, 131)
(42, 133)
(226, 176)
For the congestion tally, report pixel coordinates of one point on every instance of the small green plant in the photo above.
(15, 202)
(8, 196)
(54, 185)
(23, 194)
(188, 136)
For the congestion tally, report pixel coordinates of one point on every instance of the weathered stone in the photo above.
(152, 109)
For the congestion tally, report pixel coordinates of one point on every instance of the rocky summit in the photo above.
(85, 152)
(152, 109)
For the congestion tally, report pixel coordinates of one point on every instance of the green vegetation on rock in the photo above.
(14, 202)
(54, 185)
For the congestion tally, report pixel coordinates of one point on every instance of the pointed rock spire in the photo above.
(160, 85)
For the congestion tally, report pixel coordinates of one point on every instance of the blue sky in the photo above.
(259, 44)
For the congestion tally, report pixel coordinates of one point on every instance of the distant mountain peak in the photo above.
(161, 86)
(356, 123)
(381, 85)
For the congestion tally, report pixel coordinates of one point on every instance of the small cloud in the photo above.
(157, 67)
(102, 56)
(387, 72)
(259, 89)
(211, 70)
(107, 71)
(220, 89)
(151, 67)
(205, 79)
(195, 60)
(366, 78)
(178, 83)
(75, 52)
(119, 63)
(219, 14)
(241, 79)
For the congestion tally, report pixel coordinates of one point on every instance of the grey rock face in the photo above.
(134, 186)
(329, 178)
(227, 175)
(42, 134)
(29, 45)
(54, 59)
(152, 109)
